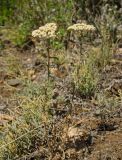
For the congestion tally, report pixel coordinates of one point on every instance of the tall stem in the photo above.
(80, 58)
(48, 58)
(81, 47)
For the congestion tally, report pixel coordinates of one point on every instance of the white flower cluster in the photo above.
(46, 31)
(81, 27)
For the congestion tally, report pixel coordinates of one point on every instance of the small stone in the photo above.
(37, 62)
(14, 82)
(31, 72)
(98, 112)
(75, 132)
(55, 94)
(54, 103)
(119, 28)
(118, 56)
(98, 41)
(28, 60)
(33, 77)
(2, 107)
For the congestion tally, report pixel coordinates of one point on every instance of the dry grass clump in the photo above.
(26, 133)
(14, 65)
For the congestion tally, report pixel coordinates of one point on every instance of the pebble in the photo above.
(55, 94)
(14, 82)
(98, 112)
(2, 107)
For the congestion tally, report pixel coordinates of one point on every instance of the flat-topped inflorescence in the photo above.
(81, 27)
(46, 31)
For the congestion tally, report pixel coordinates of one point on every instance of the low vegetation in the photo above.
(61, 83)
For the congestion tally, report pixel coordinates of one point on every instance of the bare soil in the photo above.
(89, 129)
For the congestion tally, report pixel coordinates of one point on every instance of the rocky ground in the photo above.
(88, 128)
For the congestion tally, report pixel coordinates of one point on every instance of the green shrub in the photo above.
(23, 31)
(87, 84)
(86, 75)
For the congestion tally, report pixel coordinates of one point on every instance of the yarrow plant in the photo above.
(46, 32)
(81, 28)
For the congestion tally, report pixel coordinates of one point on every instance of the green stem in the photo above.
(81, 48)
(48, 58)
(80, 58)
